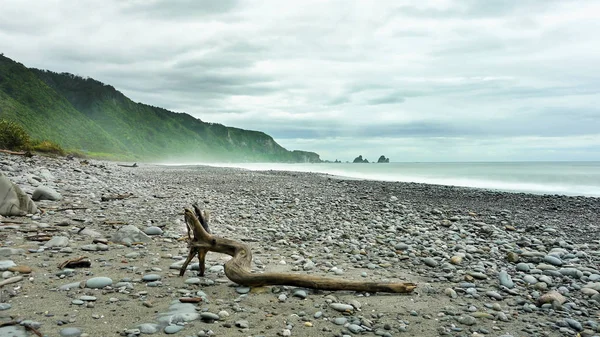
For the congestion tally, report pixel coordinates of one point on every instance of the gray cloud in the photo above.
(461, 75)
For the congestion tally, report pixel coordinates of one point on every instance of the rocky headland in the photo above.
(99, 252)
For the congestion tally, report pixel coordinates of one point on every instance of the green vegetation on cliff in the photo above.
(86, 115)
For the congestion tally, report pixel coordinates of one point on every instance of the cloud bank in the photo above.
(417, 81)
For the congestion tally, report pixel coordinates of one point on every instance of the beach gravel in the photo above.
(485, 262)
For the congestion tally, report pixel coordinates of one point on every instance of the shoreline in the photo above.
(536, 188)
(456, 243)
(345, 177)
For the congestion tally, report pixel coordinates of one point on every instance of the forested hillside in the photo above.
(86, 115)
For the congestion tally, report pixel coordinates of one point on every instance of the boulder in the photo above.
(383, 159)
(45, 193)
(129, 234)
(13, 201)
(360, 159)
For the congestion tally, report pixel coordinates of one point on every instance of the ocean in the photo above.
(565, 178)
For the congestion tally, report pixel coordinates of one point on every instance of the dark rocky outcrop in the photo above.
(360, 159)
(383, 159)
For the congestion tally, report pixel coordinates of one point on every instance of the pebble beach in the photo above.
(486, 263)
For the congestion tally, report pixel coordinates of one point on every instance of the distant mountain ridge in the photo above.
(87, 115)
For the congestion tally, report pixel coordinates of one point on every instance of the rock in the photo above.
(209, 316)
(308, 265)
(172, 329)
(98, 282)
(45, 193)
(430, 262)
(524, 267)
(69, 286)
(360, 159)
(4, 265)
(6, 252)
(70, 332)
(456, 259)
(5, 306)
(242, 290)
(21, 269)
(151, 277)
(467, 320)
(574, 324)
(512, 257)
(300, 293)
(57, 242)
(530, 279)
(13, 201)
(505, 279)
(553, 260)
(90, 233)
(342, 307)
(450, 293)
(494, 295)
(572, 272)
(354, 328)
(243, 324)
(153, 230)
(129, 234)
(148, 328)
(551, 297)
(184, 317)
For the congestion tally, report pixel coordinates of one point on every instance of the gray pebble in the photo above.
(553, 260)
(153, 230)
(171, 329)
(430, 262)
(98, 282)
(151, 277)
(242, 290)
(70, 332)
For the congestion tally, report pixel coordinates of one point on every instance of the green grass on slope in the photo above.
(45, 114)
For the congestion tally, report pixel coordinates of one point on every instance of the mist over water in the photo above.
(567, 178)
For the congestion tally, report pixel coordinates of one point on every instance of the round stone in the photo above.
(70, 332)
(77, 302)
(342, 307)
(553, 260)
(98, 282)
(340, 320)
(153, 230)
(300, 293)
(505, 279)
(148, 328)
(242, 290)
(192, 280)
(5, 306)
(171, 329)
(430, 262)
(151, 277)
(209, 316)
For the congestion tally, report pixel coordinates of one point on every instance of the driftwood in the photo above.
(134, 165)
(80, 262)
(237, 269)
(16, 153)
(117, 197)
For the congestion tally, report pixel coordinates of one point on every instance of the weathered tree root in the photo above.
(200, 242)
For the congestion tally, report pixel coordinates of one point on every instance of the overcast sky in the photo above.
(415, 80)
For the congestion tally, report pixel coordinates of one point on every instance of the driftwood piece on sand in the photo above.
(16, 153)
(200, 242)
(117, 197)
